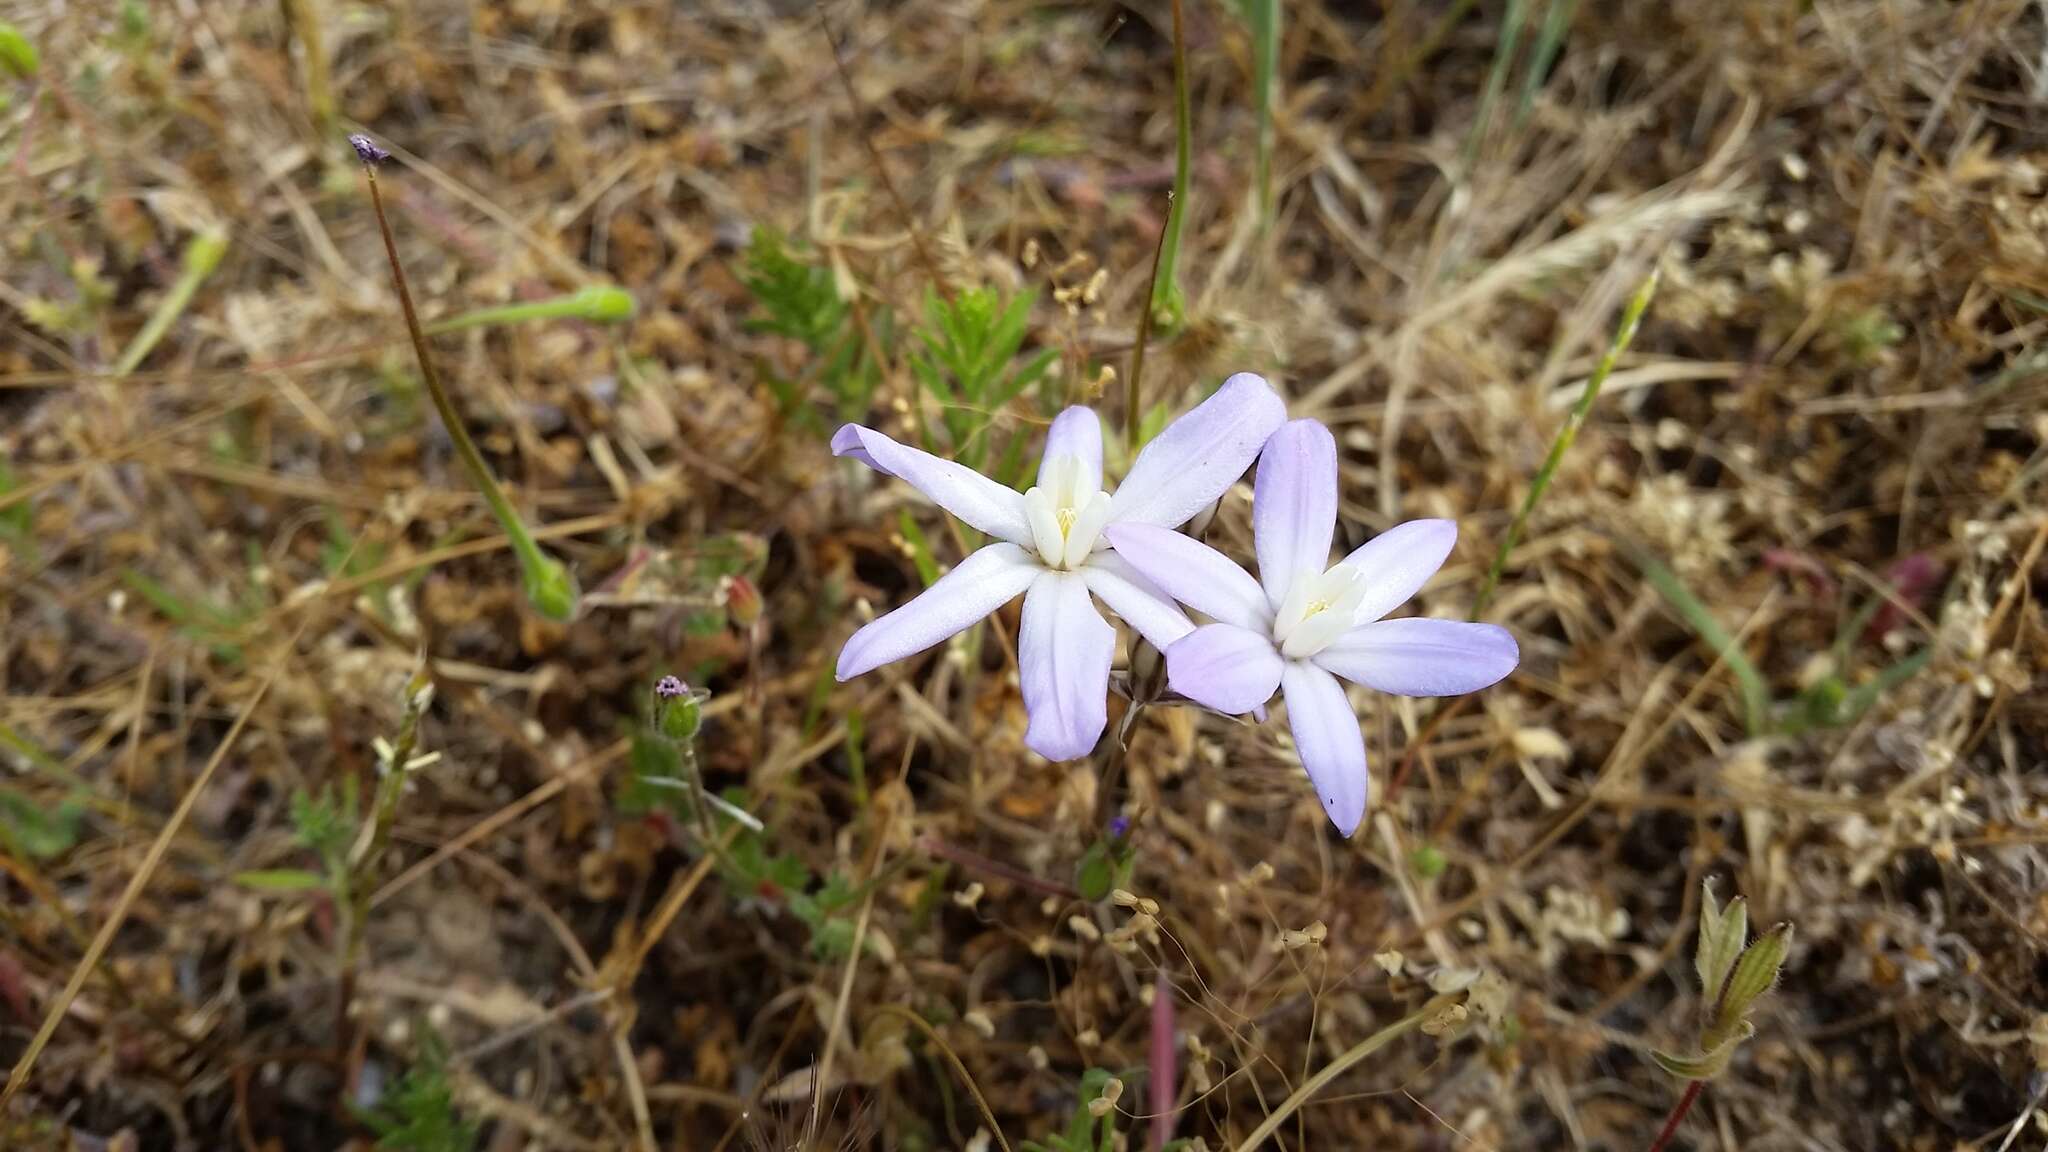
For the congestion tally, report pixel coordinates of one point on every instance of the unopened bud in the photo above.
(604, 304)
(367, 150)
(742, 601)
(1755, 973)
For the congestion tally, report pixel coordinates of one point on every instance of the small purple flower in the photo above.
(670, 687)
(1051, 550)
(367, 150)
(1119, 827)
(1303, 624)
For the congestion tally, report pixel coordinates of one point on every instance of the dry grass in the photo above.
(220, 569)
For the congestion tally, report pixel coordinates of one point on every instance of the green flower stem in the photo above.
(549, 587)
(1631, 319)
(599, 304)
(1265, 21)
(1134, 411)
(355, 881)
(202, 255)
(1165, 286)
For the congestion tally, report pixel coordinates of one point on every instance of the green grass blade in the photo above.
(1624, 333)
(202, 255)
(1557, 20)
(1497, 79)
(1756, 698)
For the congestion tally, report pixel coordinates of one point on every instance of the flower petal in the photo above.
(846, 442)
(1224, 667)
(1076, 432)
(1063, 652)
(1150, 612)
(1417, 656)
(982, 583)
(1398, 562)
(1192, 573)
(1186, 467)
(975, 499)
(1327, 737)
(1294, 505)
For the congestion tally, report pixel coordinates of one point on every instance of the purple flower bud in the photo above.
(1119, 827)
(367, 150)
(671, 687)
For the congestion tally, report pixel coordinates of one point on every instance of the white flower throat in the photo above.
(1066, 516)
(1320, 606)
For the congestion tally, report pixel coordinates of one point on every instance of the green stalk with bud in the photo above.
(598, 304)
(550, 587)
(1734, 972)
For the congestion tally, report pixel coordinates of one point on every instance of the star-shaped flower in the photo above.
(1303, 623)
(1051, 549)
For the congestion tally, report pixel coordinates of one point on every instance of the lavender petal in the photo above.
(1200, 455)
(1136, 600)
(1076, 432)
(977, 500)
(1396, 563)
(1224, 667)
(1327, 737)
(1294, 505)
(982, 583)
(1192, 573)
(1417, 656)
(1064, 649)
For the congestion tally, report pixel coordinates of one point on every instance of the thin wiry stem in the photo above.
(1677, 1117)
(1338, 1067)
(548, 584)
(917, 243)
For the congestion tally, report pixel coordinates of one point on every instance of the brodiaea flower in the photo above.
(1052, 550)
(1309, 621)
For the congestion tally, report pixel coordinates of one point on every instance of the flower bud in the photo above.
(678, 711)
(604, 304)
(742, 601)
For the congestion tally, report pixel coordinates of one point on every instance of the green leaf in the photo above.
(1722, 935)
(18, 57)
(1756, 698)
(1756, 972)
(281, 880)
(1096, 874)
(418, 1113)
(30, 830)
(1705, 1065)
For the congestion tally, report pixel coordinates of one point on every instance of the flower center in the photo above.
(1319, 607)
(1066, 519)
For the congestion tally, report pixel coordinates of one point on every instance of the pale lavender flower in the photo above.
(1051, 549)
(1302, 624)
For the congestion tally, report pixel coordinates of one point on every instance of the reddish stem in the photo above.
(1677, 1117)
